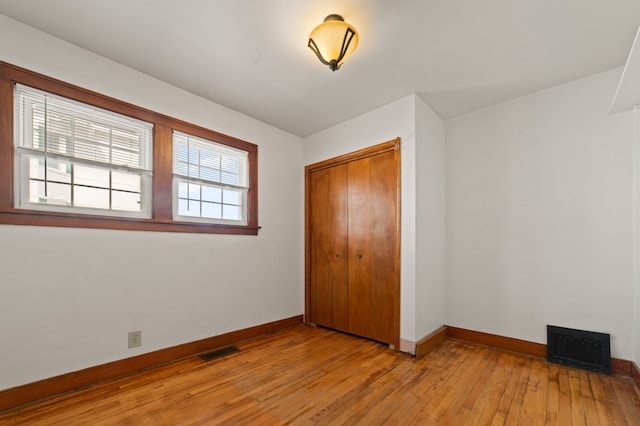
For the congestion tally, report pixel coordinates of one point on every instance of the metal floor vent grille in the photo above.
(218, 353)
(577, 348)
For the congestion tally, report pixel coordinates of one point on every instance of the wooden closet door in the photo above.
(352, 243)
(373, 248)
(328, 247)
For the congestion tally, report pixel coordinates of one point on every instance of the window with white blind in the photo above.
(73, 157)
(210, 180)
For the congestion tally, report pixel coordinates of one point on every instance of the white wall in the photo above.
(68, 297)
(401, 119)
(539, 216)
(430, 220)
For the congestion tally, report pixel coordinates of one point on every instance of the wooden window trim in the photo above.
(162, 195)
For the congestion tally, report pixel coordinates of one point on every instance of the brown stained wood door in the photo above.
(373, 287)
(353, 243)
(328, 234)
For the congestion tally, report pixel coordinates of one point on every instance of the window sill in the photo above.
(68, 220)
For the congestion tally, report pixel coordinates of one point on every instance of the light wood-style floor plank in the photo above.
(311, 376)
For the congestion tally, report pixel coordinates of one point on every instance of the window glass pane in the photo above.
(58, 171)
(183, 207)
(231, 197)
(211, 193)
(194, 191)
(36, 192)
(231, 212)
(90, 197)
(51, 193)
(56, 194)
(212, 210)
(194, 208)
(182, 189)
(126, 181)
(189, 208)
(36, 168)
(126, 201)
(91, 176)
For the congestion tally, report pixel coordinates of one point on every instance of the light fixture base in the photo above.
(333, 17)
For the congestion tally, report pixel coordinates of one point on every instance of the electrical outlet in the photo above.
(135, 339)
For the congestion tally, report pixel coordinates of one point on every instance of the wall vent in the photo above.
(218, 353)
(577, 348)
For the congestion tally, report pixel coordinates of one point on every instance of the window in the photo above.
(210, 180)
(76, 158)
(70, 157)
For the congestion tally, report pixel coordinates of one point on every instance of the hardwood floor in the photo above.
(310, 375)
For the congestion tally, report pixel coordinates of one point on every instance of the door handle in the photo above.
(358, 256)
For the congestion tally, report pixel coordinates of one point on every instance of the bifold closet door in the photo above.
(328, 235)
(373, 287)
(353, 243)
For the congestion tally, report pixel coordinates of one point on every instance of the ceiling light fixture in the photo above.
(333, 40)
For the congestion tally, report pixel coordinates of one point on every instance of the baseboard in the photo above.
(635, 374)
(618, 366)
(42, 389)
(621, 366)
(408, 346)
(501, 342)
(430, 342)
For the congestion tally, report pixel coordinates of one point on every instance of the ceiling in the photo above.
(251, 55)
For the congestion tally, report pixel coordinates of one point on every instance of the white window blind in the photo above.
(75, 157)
(210, 180)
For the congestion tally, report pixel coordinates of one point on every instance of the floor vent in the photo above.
(218, 353)
(577, 348)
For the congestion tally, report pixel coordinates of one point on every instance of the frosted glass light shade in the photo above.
(333, 40)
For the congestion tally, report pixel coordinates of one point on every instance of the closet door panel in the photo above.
(373, 244)
(360, 307)
(383, 229)
(328, 237)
